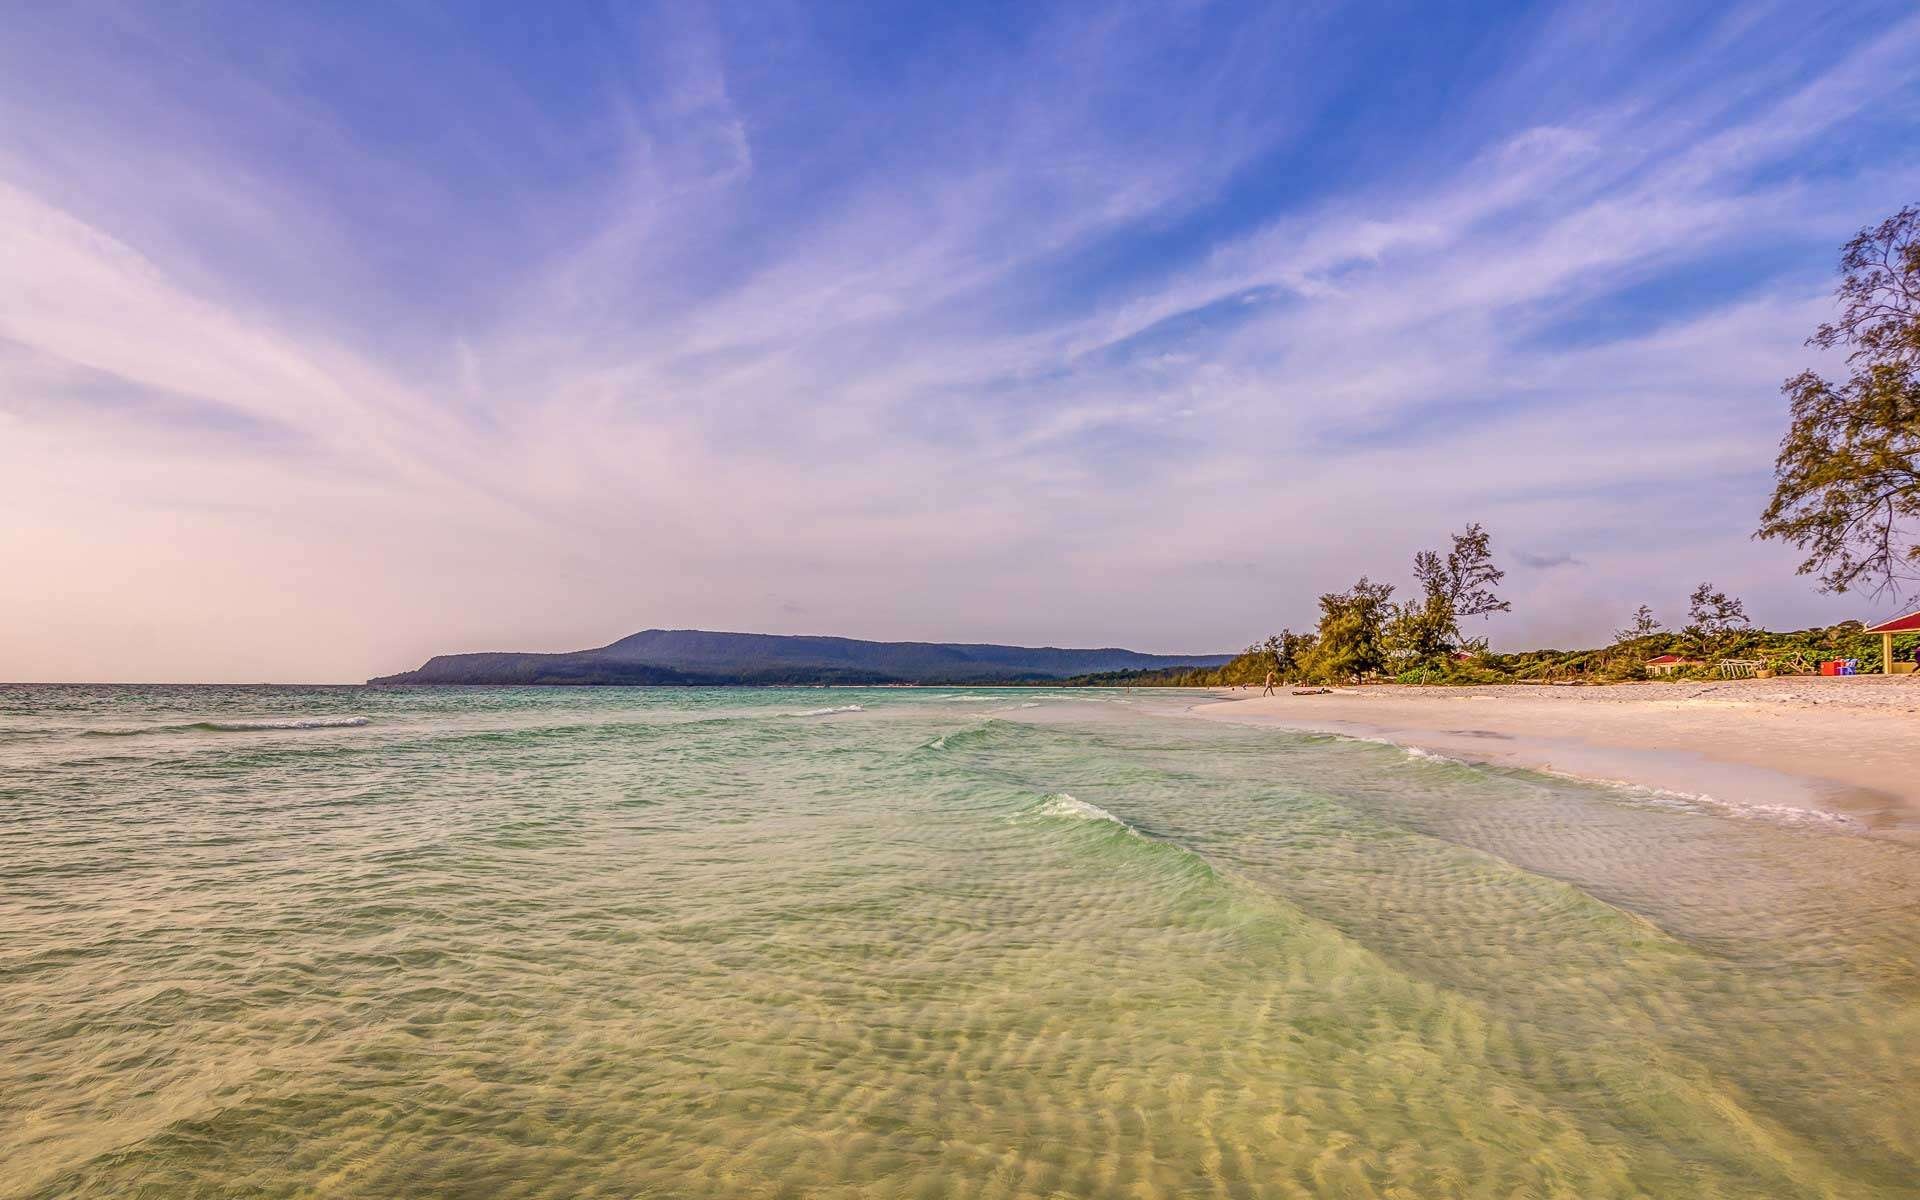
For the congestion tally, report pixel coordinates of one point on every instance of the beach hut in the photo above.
(1667, 664)
(1886, 629)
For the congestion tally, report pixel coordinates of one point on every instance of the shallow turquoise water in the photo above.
(560, 942)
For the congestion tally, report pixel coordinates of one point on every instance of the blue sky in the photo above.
(337, 336)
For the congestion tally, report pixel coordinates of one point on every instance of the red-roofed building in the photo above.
(1667, 664)
(1886, 629)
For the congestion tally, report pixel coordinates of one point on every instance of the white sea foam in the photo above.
(1416, 752)
(1354, 737)
(1060, 804)
(827, 712)
(1655, 796)
(284, 723)
(1696, 802)
(1649, 795)
(1789, 814)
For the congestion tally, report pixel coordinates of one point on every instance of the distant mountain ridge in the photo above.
(700, 657)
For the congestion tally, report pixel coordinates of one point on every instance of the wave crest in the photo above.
(265, 725)
(286, 723)
(1060, 804)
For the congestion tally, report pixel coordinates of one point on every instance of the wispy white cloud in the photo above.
(1049, 347)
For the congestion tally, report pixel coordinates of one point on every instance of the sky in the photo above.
(337, 336)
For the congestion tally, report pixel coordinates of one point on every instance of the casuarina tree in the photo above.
(1713, 617)
(1847, 479)
(1643, 625)
(1453, 587)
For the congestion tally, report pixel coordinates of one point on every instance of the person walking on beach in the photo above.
(1269, 688)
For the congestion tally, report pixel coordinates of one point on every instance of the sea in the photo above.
(916, 943)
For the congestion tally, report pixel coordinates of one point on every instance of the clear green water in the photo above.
(560, 943)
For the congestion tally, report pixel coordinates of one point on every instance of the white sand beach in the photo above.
(1841, 751)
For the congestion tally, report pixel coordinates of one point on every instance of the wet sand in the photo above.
(1838, 751)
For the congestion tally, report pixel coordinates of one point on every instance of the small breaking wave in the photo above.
(1418, 753)
(1098, 831)
(1060, 804)
(288, 723)
(827, 712)
(1414, 753)
(1639, 793)
(984, 735)
(267, 725)
(1703, 802)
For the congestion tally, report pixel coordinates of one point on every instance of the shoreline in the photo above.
(1835, 753)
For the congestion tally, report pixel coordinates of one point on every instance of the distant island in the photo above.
(697, 657)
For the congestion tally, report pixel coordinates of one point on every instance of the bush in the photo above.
(1622, 670)
(1448, 673)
